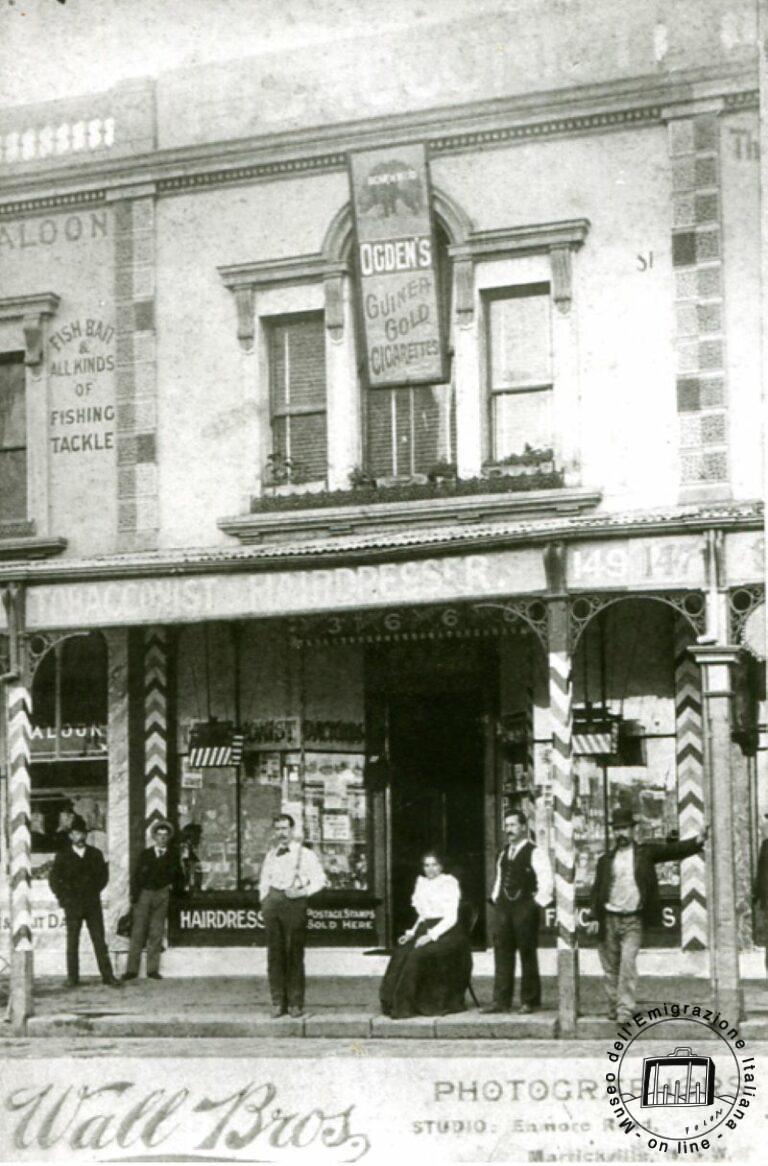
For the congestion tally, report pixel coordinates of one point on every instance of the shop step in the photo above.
(332, 1023)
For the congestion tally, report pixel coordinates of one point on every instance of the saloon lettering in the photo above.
(45, 232)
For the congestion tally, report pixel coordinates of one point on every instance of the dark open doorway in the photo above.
(434, 700)
(436, 754)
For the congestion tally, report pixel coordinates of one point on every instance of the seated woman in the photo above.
(430, 969)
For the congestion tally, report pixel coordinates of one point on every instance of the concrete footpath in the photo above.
(337, 1007)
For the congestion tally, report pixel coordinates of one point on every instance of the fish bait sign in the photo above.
(397, 266)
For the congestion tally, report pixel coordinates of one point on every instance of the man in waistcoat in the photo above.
(78, 876)
(522, 887)
(158, 872)
(290, 873)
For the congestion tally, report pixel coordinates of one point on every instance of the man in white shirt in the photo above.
(290, 873)
(522, 887)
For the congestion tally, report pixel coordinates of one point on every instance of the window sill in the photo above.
(345, 512)
(19, 541)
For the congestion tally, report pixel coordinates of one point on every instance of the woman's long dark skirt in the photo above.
(427, 981)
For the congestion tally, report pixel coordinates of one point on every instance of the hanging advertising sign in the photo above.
(396, 266)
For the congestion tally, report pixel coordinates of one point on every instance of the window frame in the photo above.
(510, 291)
(12, 357)
(445, 298)
(271, 324)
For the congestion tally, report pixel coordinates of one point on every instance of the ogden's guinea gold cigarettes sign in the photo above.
(397, 268)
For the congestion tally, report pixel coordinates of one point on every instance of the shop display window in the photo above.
(226, 816)
(68, 739)
(650, 792)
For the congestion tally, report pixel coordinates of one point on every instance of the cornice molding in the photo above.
(53, 202)
(638, 102)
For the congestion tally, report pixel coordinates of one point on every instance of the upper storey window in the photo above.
(409, 429)
(298, 397)
(13, 438)
(519, 369)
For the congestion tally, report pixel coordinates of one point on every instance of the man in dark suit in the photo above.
(625, 898)
(523, 885)
(760, 887)
(157, 872)
(78, 876)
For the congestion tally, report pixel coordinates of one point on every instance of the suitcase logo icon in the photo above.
(679, 1078)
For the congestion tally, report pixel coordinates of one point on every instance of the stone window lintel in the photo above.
(245, 279)
(32, 310)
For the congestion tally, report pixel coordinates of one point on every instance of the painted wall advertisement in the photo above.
(397, 266)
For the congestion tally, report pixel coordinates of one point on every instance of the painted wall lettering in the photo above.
(81, 368)
(62, 229)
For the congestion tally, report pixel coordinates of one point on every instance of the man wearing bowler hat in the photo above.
(157, 872)
(625, 898)
(78, 876)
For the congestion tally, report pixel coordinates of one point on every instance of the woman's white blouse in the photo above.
(437, 898)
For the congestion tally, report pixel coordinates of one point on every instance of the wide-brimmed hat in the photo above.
(622, 819)
(78, 823)
(162, 824)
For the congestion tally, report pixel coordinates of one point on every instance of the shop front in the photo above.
(389, 707)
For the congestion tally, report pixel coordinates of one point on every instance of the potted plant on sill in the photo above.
(530, 461)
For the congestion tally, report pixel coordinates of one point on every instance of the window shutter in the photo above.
(299, 432)
(13, 440)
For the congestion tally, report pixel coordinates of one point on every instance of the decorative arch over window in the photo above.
(408, 430)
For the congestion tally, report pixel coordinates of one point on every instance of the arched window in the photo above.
(411, 429)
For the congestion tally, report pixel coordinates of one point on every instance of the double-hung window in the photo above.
(13, 439)
(298, 398)
(519, 347)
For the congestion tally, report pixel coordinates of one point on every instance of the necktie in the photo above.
(282, 850)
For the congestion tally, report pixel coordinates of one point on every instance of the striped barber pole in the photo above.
(689, 760)
(19, 794)
(560, 701)
(155, 727)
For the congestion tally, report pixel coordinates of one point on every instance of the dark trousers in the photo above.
(149, 914)
(516, 929)
(92, 916)
(285, 922)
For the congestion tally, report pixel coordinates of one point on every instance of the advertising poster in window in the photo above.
(398, 281)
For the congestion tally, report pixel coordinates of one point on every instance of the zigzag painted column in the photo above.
(20, 868)
(155, 726)
(689, 760)
(561, 717)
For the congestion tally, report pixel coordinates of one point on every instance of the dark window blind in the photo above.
(298, 391)
(13, 439)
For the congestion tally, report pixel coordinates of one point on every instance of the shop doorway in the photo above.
(437, 755)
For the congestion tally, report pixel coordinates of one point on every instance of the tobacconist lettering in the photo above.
(282, 592)
(45, 232)
(87, 426)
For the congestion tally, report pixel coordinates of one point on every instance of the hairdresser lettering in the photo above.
(122, 1115)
